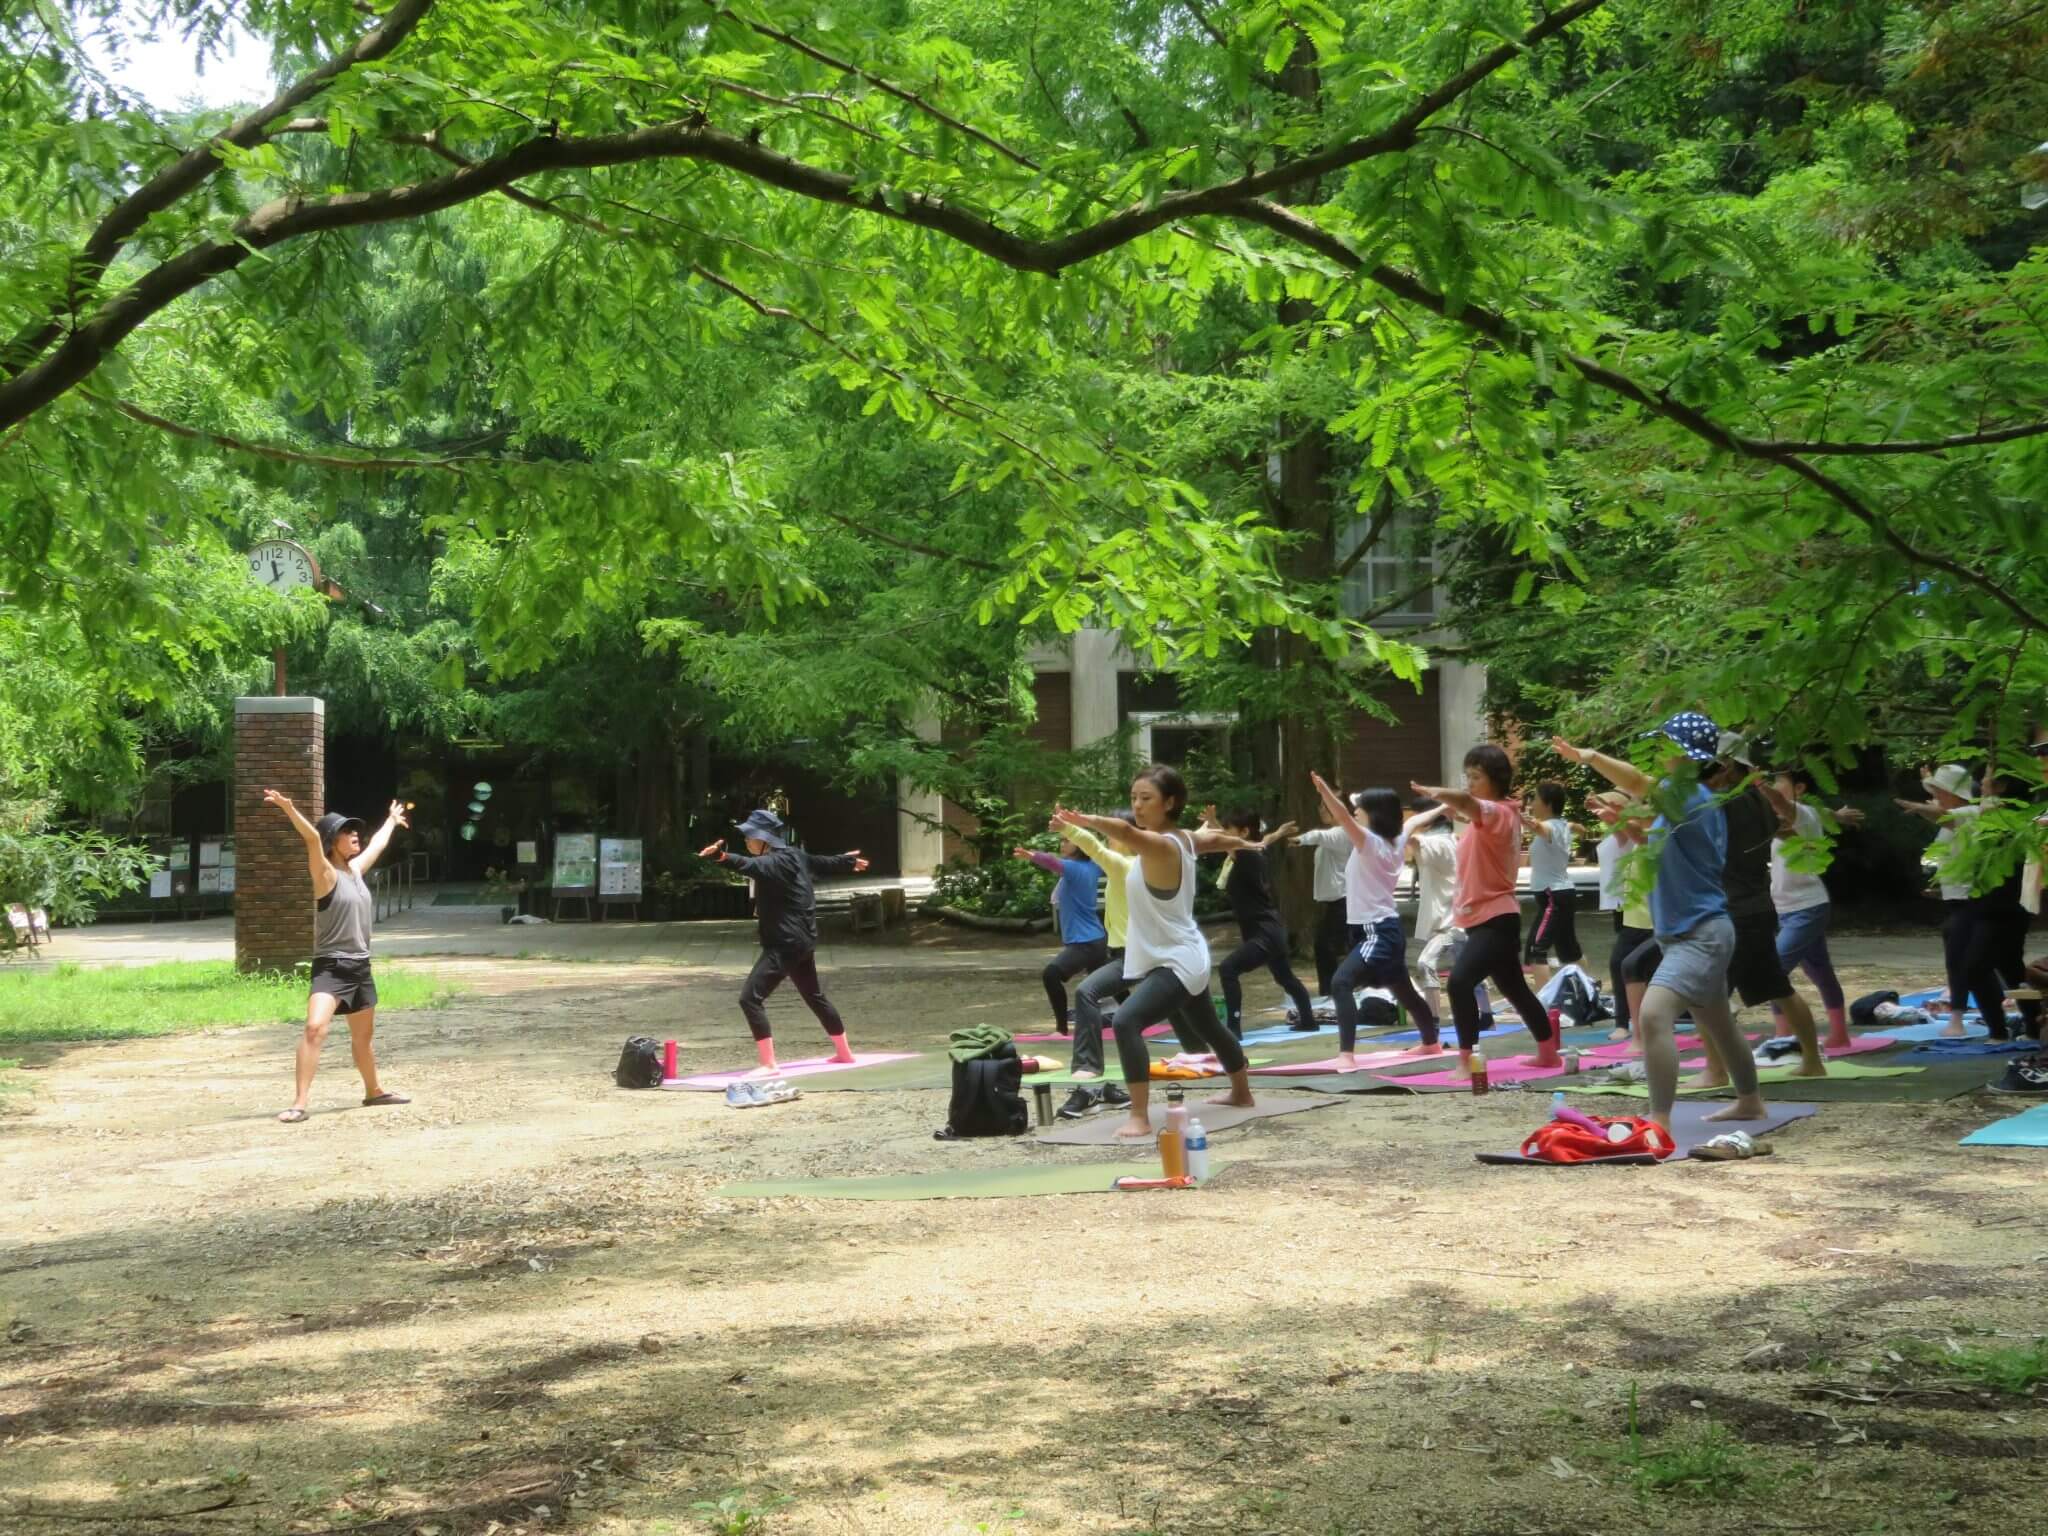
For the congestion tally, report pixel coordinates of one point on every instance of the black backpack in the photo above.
(1863, 1012)
(639, 1064)
(987, 1096)
(1578, 1003)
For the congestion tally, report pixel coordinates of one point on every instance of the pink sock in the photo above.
(841, 1051)
(765, 1049)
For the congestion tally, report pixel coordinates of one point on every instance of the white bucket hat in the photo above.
(1954, 778)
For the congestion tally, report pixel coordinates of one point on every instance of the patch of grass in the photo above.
(117, 1003)
(1703, 1461)
(2014, 1368)
(736, 1514)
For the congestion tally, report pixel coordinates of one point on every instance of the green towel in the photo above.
(976, 1041)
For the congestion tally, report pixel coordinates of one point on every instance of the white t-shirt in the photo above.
(1370, 875)
(1332, 849)
(1550, 856)
(1436, 878)
(1944, 844)
(1796, 890)
(1608, 855)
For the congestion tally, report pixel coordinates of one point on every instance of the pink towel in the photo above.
(809, 1068)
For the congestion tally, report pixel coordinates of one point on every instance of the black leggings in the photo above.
(1988, 951)
(1493, 952)
(1267, 947)
(1333, 937)
(1627, 941)
(766, 976)
(1156, 996)
(1072, 960)
(1379, 961)
(1105, 981)
(1556, 927)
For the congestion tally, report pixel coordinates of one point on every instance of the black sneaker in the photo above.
(1114, 1097)
(1081, 1103)
(2025, 1076)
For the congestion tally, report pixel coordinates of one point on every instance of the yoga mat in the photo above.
(1274, 1034)
(1448, 1033)
(1950, 1050)
(1101, 1131)
(1933, 1031)
(1625, 1050)
(1506, 1069)
(2027, 1129)
(1367, 1061)
(715, 1082)
(1846, 1070)
(1059, 1178)
(1151, 1032)
(1689, 1127)
(1113, 1072)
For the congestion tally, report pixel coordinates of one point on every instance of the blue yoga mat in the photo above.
(2024, 1130)
(1408, 1036)
(1933, 1031)
(1273, 1034)
(1934, 1049)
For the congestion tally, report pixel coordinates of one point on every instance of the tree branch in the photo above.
(1382, 514)
(366, 464)
(1909, 445)
(1497, 328)
(909, 545)
(192, 169)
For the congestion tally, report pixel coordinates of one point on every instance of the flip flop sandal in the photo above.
(291, 1117)
(1732, 1147)
(386, 1098)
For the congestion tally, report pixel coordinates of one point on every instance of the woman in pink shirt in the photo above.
(1484, 903)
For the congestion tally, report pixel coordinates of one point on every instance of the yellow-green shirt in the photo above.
(1114, 864)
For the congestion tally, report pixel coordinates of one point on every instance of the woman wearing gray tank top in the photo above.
(342, 908)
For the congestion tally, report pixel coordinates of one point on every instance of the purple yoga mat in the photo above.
(1689, 1127)
(717, 1081)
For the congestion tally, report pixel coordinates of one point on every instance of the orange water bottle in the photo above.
(1173, 1140)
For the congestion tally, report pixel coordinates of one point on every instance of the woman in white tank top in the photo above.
(1166, 959)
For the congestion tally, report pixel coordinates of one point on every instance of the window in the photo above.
(1396, 567)
(1163, 737)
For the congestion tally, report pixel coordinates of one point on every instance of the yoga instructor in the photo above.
(342, 910)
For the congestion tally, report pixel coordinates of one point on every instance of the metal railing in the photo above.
(391, 889)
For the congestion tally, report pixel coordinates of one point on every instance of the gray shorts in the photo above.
(1695, 964)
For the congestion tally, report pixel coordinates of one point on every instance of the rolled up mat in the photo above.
(1060, 1178)
(2027, 1129)
(1689, 1127)
(716, 1082)
(1101, 1130)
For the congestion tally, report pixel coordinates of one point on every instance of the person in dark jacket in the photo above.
(787, 905)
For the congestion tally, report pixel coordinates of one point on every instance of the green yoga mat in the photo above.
(963, 1183)
(1842, 1071)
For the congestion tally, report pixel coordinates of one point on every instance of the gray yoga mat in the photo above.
(1689, 1127)
(1100, 1131)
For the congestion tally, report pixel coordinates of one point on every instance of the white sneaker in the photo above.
(743, 1094)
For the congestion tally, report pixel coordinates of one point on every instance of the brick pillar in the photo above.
(280, 743)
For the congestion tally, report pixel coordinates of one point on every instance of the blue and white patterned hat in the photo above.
(1693, 733)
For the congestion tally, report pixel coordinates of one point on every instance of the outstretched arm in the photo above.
(316, 859)
(1094, 845)
(1338, 812)
(1925, 809)
(381, 839)
(1279, 834)
(1048, 862)
(1459, 803)
(1781, 805)
(847, 863)
(1216, 840)
(1623, 775)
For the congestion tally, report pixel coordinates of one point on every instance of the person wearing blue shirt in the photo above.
(1688, 910)
(1084, 942)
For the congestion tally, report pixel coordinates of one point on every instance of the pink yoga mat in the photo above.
(1508, 1069)
(1367, 1060)
(810, 1068)
(1152, 1032)
(1624, 1050)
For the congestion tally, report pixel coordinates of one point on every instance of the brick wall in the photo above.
(280, 743)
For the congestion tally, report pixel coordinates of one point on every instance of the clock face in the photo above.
(281, 565)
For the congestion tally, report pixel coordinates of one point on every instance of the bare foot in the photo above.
(1616, 1036)
(1237, 1098)
(1749, 1106)
(1134, 1130)
(1955, 1030)
(843, 1054)
(1347, 1062)
(1084, 1077)
(1429, 1050)
(1705, 1080)
(1842, 1044)
(1818, 1067)
(1546, 1056)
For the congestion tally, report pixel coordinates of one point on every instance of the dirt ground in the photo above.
(516, 1304)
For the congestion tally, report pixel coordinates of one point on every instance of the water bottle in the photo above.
(1173, 1157)
(1479, 1084)
(1197, 1151)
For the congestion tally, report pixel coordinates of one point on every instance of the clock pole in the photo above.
(277, 672)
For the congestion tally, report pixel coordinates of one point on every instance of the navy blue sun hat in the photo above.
(765, 825)
(333, 824)
(1693, 734)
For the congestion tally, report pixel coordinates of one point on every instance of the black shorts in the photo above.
(348, 980)
(1556, 928)
(1756, 973)
(1641, 963)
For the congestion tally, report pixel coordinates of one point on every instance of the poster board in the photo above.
(172, 879)
(618, 868)
(226, 846)
(209, 881)
(209, 855)
(575, 870)
(160, 885)
(528, 852)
